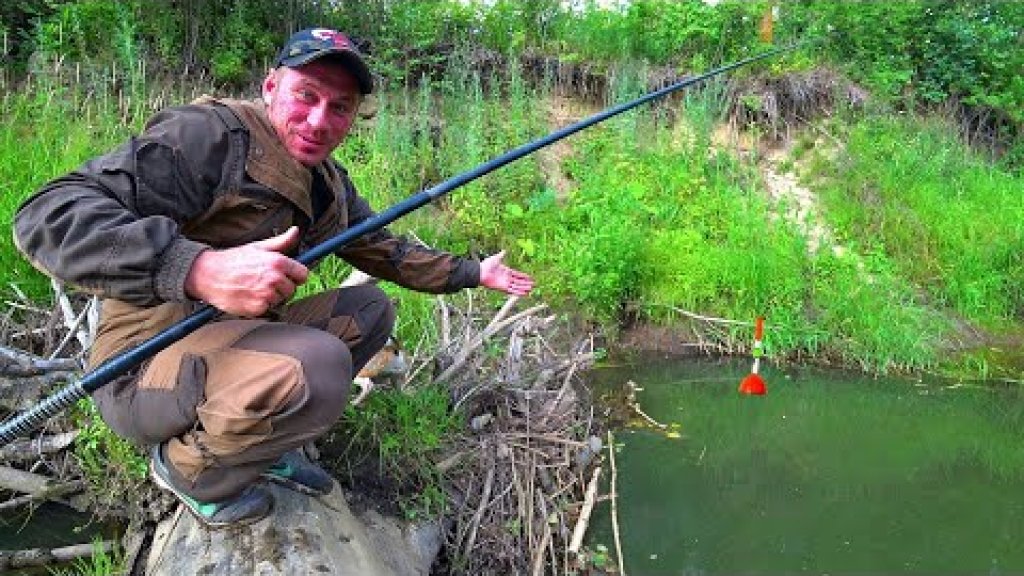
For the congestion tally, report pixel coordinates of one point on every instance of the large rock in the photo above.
(303, 535)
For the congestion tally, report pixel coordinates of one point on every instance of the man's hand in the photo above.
(497, 276)
(247, 280)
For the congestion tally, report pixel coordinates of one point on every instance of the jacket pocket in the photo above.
(236, 219)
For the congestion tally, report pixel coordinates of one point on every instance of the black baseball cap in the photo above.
(313, 43)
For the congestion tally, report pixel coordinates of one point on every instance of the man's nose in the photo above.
(317, 117)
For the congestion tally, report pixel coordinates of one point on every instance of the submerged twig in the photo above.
(615, 507)
(584, 520)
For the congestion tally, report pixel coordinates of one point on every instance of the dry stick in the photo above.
(28, 333)
(25, 482)
(531, 451)
(584, 520)
(72, 331)
(485, 497)
(538, 558)
(30, 449)
(16, 362)
(482, 337)
(532, 469)
(615, 507)
(505, 308)
(446, 324)
(25, 307)
(547, 438)
(565, 387)
(469, 316)
(651, 421)
(93, 317)
(711, 319)
(43, 557)
(68, 312)
(547, 538)
(518, 485)
(50, 493)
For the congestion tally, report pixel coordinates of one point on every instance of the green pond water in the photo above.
(829, 473)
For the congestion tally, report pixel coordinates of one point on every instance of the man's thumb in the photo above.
(281, 243)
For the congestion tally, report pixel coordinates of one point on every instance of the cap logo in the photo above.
(338, 39)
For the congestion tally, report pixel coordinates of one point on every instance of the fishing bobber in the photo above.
(753, 383)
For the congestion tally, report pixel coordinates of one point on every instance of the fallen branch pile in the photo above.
(524, 477)
(41, 351)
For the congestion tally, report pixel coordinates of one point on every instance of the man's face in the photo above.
(311, 108)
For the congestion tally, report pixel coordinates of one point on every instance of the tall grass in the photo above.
(54, 121)
(950, 221)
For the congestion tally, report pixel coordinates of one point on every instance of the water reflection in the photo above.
(828, 473)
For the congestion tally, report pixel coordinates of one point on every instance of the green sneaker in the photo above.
(293, 470)
(253, 504)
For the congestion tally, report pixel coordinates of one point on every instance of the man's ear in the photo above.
(269, 83)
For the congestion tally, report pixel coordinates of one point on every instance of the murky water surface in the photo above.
(47, 526)
(829, 473)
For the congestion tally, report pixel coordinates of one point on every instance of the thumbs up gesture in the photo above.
(248, 280)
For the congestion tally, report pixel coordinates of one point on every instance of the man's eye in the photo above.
(306, 96)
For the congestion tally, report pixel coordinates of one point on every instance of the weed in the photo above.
(949, 220)
(108, 461)
(403, 433)
(100, 563)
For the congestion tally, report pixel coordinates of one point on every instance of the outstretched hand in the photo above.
(250, 279)
(497, 276)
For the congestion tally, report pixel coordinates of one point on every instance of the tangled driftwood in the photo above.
(43, 350)
(523, 477)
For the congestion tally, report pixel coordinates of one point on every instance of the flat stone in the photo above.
(303, 535)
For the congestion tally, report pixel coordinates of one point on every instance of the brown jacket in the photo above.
(128, 225)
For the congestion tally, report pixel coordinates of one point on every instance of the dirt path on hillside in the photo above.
(797, 204)
(561, 112)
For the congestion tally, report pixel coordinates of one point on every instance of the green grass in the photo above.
(103, 456)
(948, 220)
(403, 434)
(52, 124)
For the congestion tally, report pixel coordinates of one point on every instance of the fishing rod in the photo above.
(34, 417)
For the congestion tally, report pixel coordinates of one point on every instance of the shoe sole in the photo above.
(212, 524)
